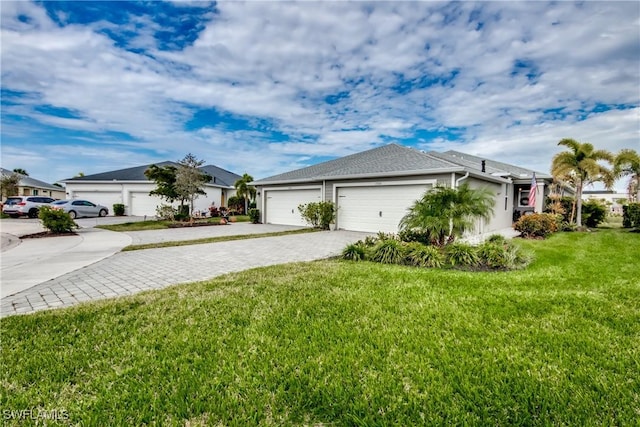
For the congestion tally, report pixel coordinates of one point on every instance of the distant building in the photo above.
(611, 198)
(29, 186)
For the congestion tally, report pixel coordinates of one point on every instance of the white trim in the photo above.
(337, 185)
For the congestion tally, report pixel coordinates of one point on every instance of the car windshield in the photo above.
(13, 201)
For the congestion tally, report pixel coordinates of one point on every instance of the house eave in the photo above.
(117, 181)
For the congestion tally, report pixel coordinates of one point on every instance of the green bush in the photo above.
(56, 221)
(593, 213)
(318, 214)
(411, 235)
(355, 252)
(497, 238)
(631, 215)
(388, 251)
(536, 225)
(165, 212)
(461, 254)
(420, 255)
(254, 215)
(118, 209)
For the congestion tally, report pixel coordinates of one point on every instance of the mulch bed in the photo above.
(47, 234)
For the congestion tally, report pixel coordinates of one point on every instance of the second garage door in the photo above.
(379, 208)
(282, 205)
(104, 198)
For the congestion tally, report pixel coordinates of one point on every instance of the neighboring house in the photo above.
(29, 186)
(614, 200)
(374, 189)
(131, 188)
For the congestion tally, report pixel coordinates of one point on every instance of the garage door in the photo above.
(282, 205)
(143, 204)
(105, 198)
(374, 209)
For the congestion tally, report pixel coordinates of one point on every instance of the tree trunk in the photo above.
(579, 205)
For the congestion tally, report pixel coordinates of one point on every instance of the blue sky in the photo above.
(265, 87)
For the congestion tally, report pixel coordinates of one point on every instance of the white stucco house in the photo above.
(131, 188)
(374, 189)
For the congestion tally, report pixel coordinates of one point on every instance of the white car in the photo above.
(17, 206)
(79, 208)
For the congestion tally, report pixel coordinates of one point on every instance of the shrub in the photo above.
(165, 212)
(388, 251)
(254, 215)
(536, 225)
(56, 221)
(318, 214)
(560, 206)
(497, 238)
(494, 256)
(631, 215)
(593, 213)
(412, 235)
(461, 254)
(420, 255)
(355, 252)
(118, 209)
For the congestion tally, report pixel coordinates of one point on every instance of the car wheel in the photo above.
(72, 214)
(33, 213)
(103, 212)
(14, 216)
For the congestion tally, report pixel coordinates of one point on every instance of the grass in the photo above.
(216, 239)
(341, 343)
(159, 224)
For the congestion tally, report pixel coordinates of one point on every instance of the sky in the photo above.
(265, 87)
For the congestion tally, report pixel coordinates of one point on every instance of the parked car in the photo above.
(17, 206)
(78, 208)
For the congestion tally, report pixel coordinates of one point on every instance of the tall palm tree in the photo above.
(245, 190)
(446, 213)
(627, 163)
(581, 162)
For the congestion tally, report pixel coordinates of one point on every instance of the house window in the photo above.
(35, 192)
(523, 200)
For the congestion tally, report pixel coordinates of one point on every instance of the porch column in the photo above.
(539, 207)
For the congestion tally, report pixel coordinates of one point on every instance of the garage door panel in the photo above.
(143, 204)
(282, 205)
(379, 208)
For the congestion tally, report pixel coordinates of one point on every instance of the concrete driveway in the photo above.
(61, 271)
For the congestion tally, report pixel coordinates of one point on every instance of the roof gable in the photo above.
(220, 177)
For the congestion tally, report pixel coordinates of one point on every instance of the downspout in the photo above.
(462, 178)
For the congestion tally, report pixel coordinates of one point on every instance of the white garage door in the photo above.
(374, 209)
(282, 205)
(143, 204)
(105, 198)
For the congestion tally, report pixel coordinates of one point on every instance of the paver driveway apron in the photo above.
(126, 273)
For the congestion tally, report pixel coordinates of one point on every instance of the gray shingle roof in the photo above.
(492, 167)
(382, 160)
(223, 177)
(27, 181)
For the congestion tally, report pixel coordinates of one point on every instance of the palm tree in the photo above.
(446, 213)
(626, 163)
(245, 190)
(581, 164)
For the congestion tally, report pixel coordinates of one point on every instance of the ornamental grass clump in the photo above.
(388, 251)
(419, 255)
(461, 255)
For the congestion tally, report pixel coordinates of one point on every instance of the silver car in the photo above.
(79, 208)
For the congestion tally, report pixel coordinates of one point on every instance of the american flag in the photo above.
(532, 191)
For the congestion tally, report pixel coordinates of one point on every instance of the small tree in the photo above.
(165, 179)
(190, 179)
(21, 171)
(245, 190)
(627, 163)
(445, 213)
(9, 185)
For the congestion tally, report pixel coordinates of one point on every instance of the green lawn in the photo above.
(339, 343)
(160, 225)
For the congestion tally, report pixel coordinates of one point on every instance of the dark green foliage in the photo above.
(501, 256)
(118, 209)
(593, 213)
(355, 252)
(631, 215)
(318, 214)
(560, 205)
(236, 203)
(254, 215)
(420, 255)
(56, 220)
(497, 238)
(412, 235)
(388, 251)
(537, 225)
(461, 254)
(165, 179)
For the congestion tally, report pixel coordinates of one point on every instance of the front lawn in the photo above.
(342, 343)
